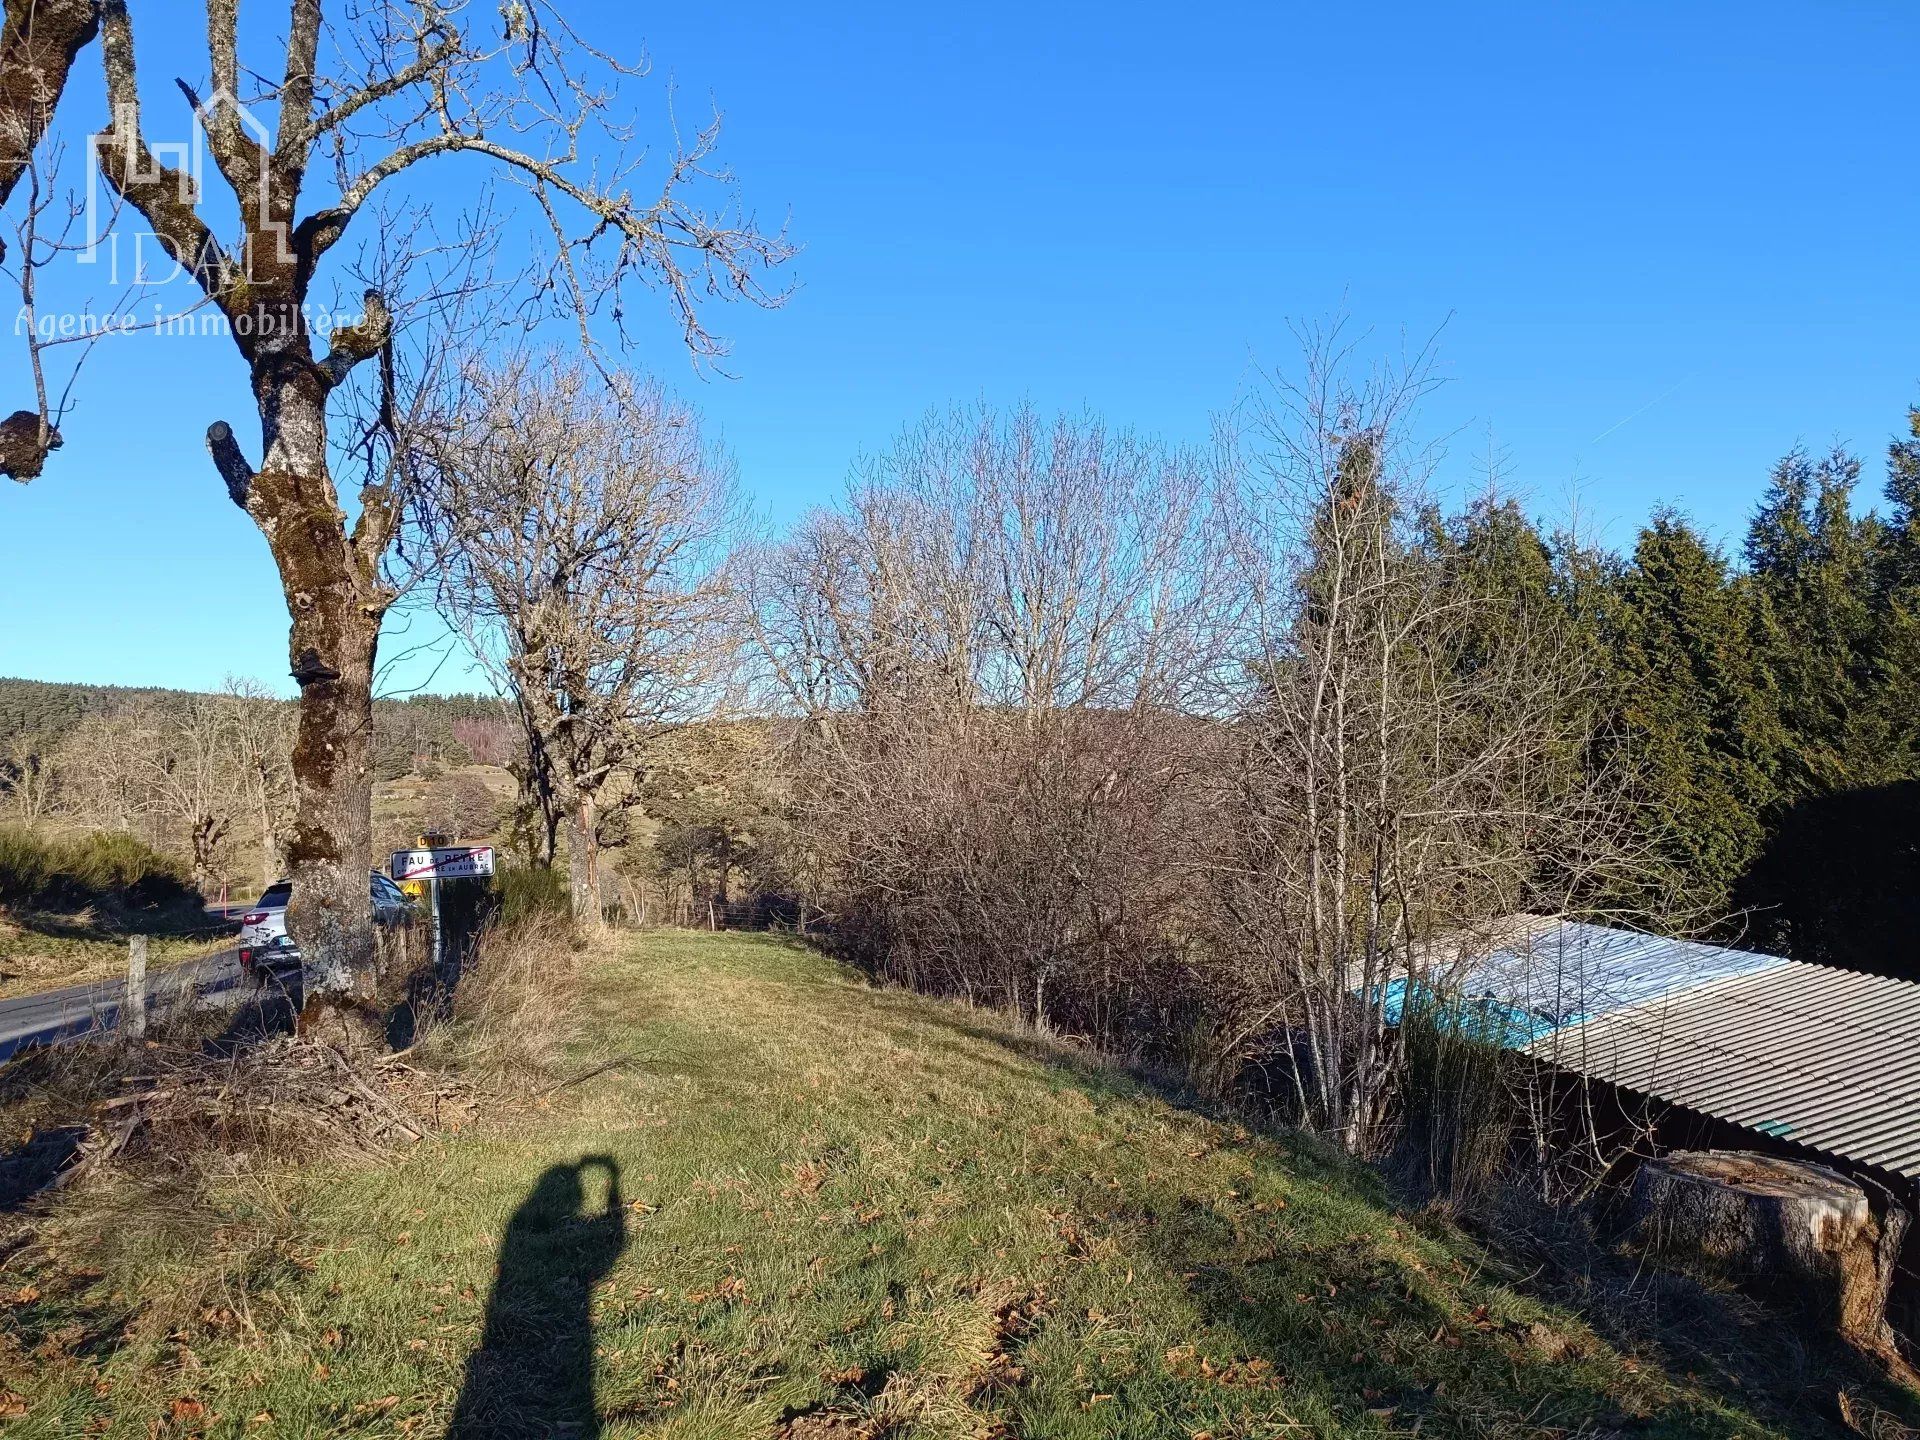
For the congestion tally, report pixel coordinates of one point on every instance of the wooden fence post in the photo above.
(133, 1014)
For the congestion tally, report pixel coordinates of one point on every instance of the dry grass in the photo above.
(41, 951)
(170, 1158)
(515, 1011)
(214, 1092)
(68, 903)
(174, 1159)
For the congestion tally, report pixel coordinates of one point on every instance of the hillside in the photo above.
(68, 779)
(843, 1212)
(32, 710)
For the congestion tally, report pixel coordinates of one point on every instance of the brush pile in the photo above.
(283, 1098)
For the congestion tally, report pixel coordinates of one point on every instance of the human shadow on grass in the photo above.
(532, 1374)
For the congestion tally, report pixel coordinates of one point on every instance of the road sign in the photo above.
(442, 862)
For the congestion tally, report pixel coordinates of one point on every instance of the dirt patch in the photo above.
(1017, 1315)
(826, 1425)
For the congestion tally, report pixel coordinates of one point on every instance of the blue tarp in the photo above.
(1562, 973)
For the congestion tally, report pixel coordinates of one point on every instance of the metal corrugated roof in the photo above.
(1561, 972)
(1826, 1058)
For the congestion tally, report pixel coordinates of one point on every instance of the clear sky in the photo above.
(1672, 240)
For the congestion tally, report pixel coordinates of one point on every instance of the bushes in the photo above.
(70, 872)
(523, 895)
(993, 642)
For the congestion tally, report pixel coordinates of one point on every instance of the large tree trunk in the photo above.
(331, 849)
(336, 609)
(583, 863)
(38, 42)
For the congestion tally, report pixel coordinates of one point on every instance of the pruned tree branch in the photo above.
(360, 341)
(39, 41)
(163, 195)
(230, 462)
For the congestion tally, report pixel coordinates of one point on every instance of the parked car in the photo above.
(265, 945)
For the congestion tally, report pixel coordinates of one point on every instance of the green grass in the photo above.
(842, 1211)
(68, 903)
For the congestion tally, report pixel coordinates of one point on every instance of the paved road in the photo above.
(76, 1010)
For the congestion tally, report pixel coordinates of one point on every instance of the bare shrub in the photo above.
(993, 643)
(1408, 753)
(1218, 757)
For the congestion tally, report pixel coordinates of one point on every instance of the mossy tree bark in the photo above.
(583, 863)
(39, 41)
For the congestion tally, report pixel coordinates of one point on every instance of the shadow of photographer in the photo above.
(533, 1371)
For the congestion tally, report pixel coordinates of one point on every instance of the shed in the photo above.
(1828, 1059)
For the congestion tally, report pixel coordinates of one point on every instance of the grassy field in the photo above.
(70, 899)
(811, 1209)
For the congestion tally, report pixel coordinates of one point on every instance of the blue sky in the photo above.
(1671, 241)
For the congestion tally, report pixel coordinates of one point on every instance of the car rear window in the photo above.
(275, 897)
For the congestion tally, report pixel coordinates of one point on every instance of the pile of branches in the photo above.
(283, 1098)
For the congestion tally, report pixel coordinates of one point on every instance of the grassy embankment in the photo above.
(68, 904)
(841, 1212)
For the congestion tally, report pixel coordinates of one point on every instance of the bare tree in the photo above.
(39, 41)
(993, 642)
(27, 779)
(262, 732)
(194, 775)
(1407, 759)
(394, 84)
(99, 770)
(585, 523)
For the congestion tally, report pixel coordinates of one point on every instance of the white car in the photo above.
(265, 944)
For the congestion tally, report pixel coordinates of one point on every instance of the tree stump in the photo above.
(1782, 1228)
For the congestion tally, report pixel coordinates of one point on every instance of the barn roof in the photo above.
(1827, 1058)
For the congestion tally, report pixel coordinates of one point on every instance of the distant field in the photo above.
(841, 1213)
(468, 800)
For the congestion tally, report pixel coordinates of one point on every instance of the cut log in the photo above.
(1781, 1228)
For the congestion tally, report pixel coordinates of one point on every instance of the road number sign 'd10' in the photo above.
(443, 862)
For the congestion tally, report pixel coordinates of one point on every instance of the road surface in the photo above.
(77, 1010)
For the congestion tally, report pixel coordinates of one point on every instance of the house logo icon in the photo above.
(181, 167)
